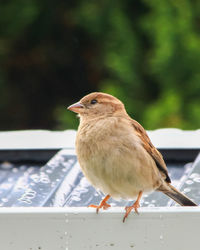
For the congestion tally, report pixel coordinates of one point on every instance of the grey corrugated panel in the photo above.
(34, 186)
(190, 185)
(14, 180)
(60, 182)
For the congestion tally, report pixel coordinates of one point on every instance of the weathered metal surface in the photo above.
(60, 182)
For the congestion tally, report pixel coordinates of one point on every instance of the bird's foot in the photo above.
(129, 209)
(103, 204)
(135, 206)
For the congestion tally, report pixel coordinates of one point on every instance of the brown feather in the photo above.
(177, 196)
(147, 144)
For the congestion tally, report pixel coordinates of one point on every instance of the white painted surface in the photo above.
(44, 139)
(174, 228)
(175, 138)
(37, 139)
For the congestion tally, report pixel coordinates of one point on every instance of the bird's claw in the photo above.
(135, 206)
(103, 205)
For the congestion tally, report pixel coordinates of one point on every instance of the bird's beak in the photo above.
(76, 107)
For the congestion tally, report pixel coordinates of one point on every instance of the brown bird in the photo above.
(116, 154)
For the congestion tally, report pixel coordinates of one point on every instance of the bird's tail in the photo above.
(177, 196)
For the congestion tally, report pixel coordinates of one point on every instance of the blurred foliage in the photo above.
(147, 53)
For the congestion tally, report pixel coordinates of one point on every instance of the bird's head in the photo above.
(98, 104)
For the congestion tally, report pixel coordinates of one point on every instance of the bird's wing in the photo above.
(147, 144)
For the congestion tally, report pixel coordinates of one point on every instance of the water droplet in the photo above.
(194, 175)
(15, 170)
(35, 178)
(28, 196)
(151, 205)
(45, 180)
(189, 182)
(76, 198)
(4, 200)
(186, 190)
(197, 179)
(49, 171)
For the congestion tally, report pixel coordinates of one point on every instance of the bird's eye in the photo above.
(93, 101)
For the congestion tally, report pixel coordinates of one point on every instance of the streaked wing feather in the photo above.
(155, 154)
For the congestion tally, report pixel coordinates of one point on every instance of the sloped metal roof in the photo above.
(60, 182)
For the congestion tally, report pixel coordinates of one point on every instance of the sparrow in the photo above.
(116, 154)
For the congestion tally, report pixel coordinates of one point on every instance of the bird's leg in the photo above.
(135, 205)
(103, 204)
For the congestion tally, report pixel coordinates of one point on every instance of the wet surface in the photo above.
(60, 183)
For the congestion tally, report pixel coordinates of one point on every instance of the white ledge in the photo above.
(44, 139)
(87, 211)
(37, 139)
(81, 228)
(175, 138)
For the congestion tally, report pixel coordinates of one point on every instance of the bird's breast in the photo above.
(113, 159)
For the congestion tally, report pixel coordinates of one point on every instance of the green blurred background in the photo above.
(147, 53)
